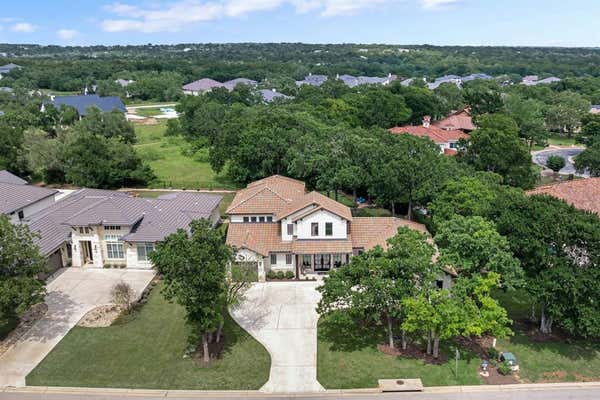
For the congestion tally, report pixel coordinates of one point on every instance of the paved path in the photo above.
(282, 316)
(540, 158)
(72, 292)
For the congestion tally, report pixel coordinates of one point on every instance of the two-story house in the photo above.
(95, 228)
(446, 139)
(19, 200)
(276, 224)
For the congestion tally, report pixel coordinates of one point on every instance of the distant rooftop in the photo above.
(82, 102)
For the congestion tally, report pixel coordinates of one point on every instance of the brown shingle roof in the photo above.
(266, 196)
(316, 198)
(368, 232)
(581, 193)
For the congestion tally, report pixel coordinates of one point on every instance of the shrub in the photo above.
(555, 163)
(280, 275)
(504, 368)
(271, 275)
(493, 353)
(289, 275)
(122, 295)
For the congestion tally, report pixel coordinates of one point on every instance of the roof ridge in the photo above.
(231, 208)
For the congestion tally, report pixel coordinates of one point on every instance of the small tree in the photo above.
(555, 163)
(193, 265)
(123, 294)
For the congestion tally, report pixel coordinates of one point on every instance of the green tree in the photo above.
(588, 161)
(109, 124)
(483, 96)
(529, 116)
(20, 265)
(193, 266)
(473, 246)
(566, 112)
(495, 146)
(555, 163)
(379, 107)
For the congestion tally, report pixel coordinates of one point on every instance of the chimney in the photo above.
(274, 90)
(337, 76)
(390, 75)
(426, 121)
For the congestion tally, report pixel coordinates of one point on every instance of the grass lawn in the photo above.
(174, 163)
(547, 361)
(146, 351)
(352, 360)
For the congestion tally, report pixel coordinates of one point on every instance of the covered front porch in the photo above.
(320, 263)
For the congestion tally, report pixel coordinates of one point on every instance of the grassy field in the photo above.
(173, 162)
(557, 140)
(146, 351)
(553, 360)
(347, 361)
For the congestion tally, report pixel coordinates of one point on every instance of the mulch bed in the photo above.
(27, 320)
(496, 378)
(215, 351)
(413, 351)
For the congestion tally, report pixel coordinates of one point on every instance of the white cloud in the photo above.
(24, 27)
(67, 34)
(437, 4)
(174, 16)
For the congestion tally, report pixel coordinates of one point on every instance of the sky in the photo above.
(438, 22)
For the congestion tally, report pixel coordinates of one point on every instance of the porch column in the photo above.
(262, 276)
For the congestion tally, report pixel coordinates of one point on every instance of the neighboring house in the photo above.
(533, 80)
(6, 89)
(353, 81)
(5, 69)
(277, 225)
(19, 200)
(94, 228)
(82, 102)
(454, 79)
(201, 86)
(457, 121)
(124, 82)
(230, 85)
(270, 95)
(447, 140)
(581, 193)
(312, 80)
(473, 77)
(595, 109)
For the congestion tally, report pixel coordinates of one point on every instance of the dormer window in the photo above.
(290, 229)
(314, 229)
(329, 229)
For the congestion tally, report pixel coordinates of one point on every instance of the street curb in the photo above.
(335, 393)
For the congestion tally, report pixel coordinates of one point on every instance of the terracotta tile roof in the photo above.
(438, 135)
(322, 246)
(581, 193)
(266, 196)
(260, 238)
(460, 120)
(316, 198)
(368, 232)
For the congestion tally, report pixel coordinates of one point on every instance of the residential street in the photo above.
(282, 317)
(72, 292)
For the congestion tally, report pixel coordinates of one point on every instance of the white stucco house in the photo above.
(94, 228)
(446, 139)
(19, 200)
(276, 224)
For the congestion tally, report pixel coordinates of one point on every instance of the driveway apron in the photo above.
(282, 317)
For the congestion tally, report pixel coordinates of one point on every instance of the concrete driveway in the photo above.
(541, 157)
(72, 292)
(282, 316)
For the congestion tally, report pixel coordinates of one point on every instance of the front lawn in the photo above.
(346, 361)
(146, 351)
(173, 161)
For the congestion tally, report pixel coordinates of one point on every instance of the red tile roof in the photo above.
(319, 200)
(266, 196)
(438, 135)
(460, 120)
(581, 193)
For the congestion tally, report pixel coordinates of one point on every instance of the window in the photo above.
(337, 260)
(453, 145)
(314, 229)
(288, 259)
(112, 228)
(290, 229)
(21, 215)
(143, 249)
(81, 230)
(114, 247)
(269, 219)
(261, 219)
(69, 251)
(306, 260)
(328, 228)
(273, 259)
(253, 219)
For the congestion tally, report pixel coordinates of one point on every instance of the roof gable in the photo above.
(7, 177)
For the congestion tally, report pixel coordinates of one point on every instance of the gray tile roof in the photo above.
(7, 177)
(239, 81)
(313, 80)
(8, 67)
(151, 219)
(269, 95)
(82, 102)
(473, 77)
(202, 85)
(14, 197)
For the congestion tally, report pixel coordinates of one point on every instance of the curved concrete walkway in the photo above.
(71, 293)
(282, 316)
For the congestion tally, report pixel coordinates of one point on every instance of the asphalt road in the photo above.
(541, 157)
(534, 393)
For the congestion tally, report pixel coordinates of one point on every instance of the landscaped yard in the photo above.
(553, 360)
(146, 351)
(353, 361)
(174, 163)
